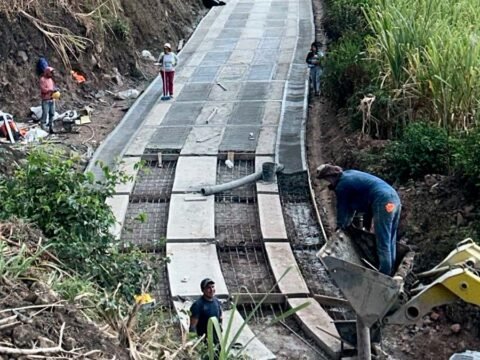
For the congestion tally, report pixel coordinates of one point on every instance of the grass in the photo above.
(429, 51)
(107, 14)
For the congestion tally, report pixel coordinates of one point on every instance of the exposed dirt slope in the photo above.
(115, 34)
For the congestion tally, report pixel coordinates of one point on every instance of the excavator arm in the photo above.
(456, 277)
(380, 299)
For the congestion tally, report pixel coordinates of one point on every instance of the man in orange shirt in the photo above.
(47, 88)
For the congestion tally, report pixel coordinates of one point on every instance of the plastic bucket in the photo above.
(268, 171)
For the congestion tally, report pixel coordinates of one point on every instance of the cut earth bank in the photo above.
(111, 38)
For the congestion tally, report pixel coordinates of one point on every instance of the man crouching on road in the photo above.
(357, 191)
(204, 308)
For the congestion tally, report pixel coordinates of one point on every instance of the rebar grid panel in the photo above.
(245, 268)
(241, 168)
(160, 290)
(285, 338)
(236, 223)
(304, 232)
(146, 224)
(155, 182)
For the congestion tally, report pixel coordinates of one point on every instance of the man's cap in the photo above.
(205, 283)
(167, 45)
(327, 170)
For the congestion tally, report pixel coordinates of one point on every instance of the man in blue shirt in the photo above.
(204, 308)
(357, 191)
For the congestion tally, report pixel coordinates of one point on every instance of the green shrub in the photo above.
(69, 207)
(344, 16)
(467, 157)
(423, 149)
(345, 69)
(120, 28)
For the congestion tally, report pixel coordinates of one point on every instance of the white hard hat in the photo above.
(167, 45)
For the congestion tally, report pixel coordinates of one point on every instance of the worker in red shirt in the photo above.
(48, 93)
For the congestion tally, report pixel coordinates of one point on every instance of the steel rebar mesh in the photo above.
(306, 237)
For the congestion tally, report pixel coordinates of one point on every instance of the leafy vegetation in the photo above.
(69, 207)
(409, 71)
(423, 149)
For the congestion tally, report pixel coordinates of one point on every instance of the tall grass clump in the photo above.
(429, 55)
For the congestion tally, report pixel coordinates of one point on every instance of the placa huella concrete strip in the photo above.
(271, 217)
(313, 317)
(194, 172)
(191, 217)
(281, 258)
(119, 205)
(189, 264)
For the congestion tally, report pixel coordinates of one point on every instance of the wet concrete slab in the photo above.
(169, 138)
(191, 217)
(271, 217)
(233, 72)
(250, 113)
(194, 92)
(189, 264)
(255, 349)
(267, 140)
(182, 114)
(281, 258)
(215, 114)
(226, 91)
(158, 112)
(264, 187)
(119, 205)
(273, 111)
(203, 140)
(248, 44)
(194, 172)
(129, 166)
(313, 317)
(139, 142)
(240, 138)
(239, 57)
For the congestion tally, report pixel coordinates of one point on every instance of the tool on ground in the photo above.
(8, 128)
(145, 300)
(223, 87)
(159, 160)
(78, 77)
(380, 300)
(212, 115)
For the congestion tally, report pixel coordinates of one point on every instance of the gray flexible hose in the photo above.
(210, 190)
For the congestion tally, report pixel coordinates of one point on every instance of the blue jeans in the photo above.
(48, 109)
(315, 72)
(386, 214)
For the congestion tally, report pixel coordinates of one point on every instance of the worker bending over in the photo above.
(357, 191)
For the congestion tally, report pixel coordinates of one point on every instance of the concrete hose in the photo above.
(266, 174)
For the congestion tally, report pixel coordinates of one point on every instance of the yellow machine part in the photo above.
(466, 251)
(458, 283)
(466, 285)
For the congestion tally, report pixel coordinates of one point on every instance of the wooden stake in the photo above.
(160, 161)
